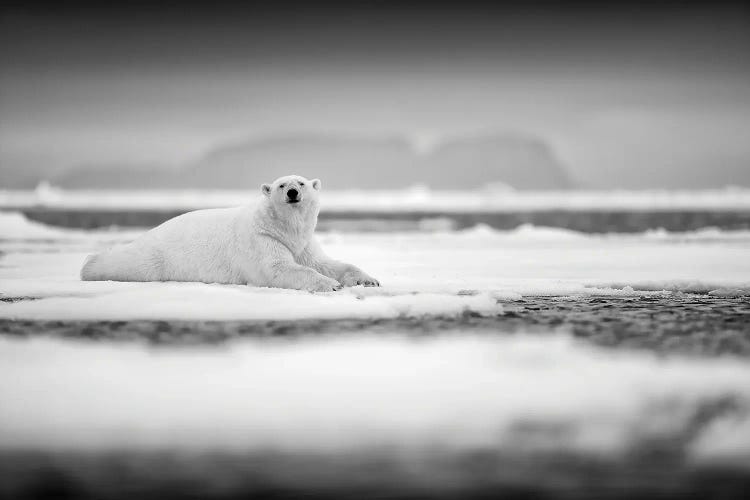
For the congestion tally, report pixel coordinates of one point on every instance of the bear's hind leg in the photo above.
(124, 264)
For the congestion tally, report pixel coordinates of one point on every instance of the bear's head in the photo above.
(293, 191)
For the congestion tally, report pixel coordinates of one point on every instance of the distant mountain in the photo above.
(342, 162)
(521, 162)
(346, 163)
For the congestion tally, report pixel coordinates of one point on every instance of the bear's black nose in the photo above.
(292, 194)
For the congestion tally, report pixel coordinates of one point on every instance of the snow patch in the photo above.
(704, 234)
(198, 301)
(14, 225)
(713, 288)
(541, 233)
(335, 394)
(730, 292)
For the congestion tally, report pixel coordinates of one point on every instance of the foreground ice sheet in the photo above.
(444, 273)
(346, 393)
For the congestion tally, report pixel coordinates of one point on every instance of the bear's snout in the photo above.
(292, 195)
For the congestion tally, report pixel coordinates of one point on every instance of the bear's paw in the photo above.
(356, 277)
(325, 285)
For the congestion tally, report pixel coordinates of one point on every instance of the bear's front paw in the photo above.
(354, 278)
(325, 285)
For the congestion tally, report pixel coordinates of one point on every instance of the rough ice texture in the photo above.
(441, 273)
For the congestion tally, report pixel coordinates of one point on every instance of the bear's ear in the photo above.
(316, 183)
(266, 189)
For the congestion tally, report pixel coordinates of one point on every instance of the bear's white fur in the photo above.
(269, 244)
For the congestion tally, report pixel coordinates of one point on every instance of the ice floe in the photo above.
(443, 272)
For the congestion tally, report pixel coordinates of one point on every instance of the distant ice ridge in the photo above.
(416, 198)
(532, 232)
(16, 226)
(351, 393)
(524, 231)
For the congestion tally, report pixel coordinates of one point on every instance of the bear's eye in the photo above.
(281, 186)
(301, 183)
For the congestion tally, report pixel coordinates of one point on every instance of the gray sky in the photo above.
(639, 95)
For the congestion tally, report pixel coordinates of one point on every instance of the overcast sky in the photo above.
(644, 94)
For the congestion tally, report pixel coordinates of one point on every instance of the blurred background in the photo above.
(375, 94)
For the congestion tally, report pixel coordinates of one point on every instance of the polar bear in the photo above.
(270, 244)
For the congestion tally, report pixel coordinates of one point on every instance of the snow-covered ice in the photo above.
(443, 273)
(337, 394)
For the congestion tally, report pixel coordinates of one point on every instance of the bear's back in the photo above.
(196, 246)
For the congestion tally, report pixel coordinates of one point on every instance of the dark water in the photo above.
(669, 324)
(587, 221)
(364, 474)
